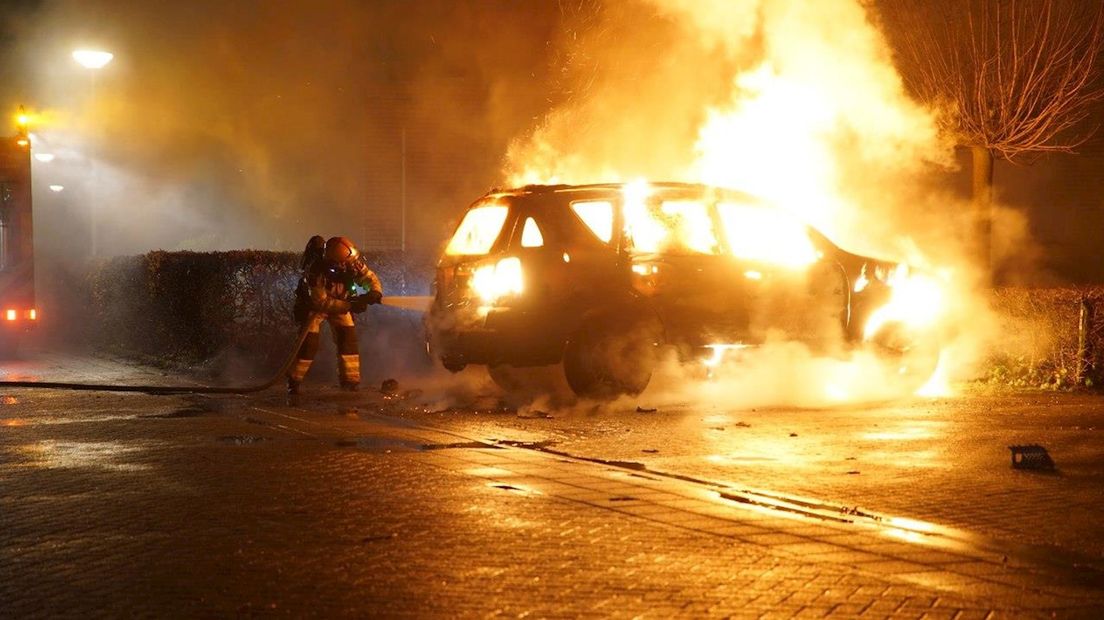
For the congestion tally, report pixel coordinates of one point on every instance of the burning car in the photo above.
(599, 278)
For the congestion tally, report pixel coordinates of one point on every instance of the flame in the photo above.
(939, 384)
(647, 233)
(766, 235)
(751, 231)
(798, 105)
(916, 300)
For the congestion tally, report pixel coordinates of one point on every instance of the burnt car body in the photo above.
(598, 277)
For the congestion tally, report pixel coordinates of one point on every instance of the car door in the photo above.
(797, 291)
(677, 261)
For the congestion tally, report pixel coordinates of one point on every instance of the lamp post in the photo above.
(93, 60)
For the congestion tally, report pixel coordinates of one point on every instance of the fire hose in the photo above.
(407, 303)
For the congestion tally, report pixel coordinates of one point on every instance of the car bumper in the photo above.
(502, 336)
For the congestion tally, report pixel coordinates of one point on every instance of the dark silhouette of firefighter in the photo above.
(333, 270)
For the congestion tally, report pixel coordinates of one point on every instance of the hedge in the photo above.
(183, 308)
(1038, 342)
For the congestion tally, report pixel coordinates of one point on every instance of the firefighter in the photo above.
(331, 270)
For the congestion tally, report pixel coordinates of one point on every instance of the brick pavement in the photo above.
(944, 461)
(136, 505)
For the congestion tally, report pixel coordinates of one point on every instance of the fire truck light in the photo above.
(22, 142)
(10, 314)
(32, 314)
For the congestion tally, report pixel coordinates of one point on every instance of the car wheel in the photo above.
(608, 358)
(914, 355)
(453, 367)
(528, 381)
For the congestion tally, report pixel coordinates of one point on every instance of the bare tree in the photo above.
(1010, 79)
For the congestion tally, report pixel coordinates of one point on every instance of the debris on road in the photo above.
(1031, 456)
(389, 386)
(646, 409)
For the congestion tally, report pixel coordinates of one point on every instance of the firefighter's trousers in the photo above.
(344, 335)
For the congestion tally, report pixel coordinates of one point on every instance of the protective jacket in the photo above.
(329, 288)
(325, 294)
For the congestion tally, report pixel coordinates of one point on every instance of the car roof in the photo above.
(618, 187)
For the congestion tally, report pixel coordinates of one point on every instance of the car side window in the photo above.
(531, 235)
(597, 215)
(673, 226)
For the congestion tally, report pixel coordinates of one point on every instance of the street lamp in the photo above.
(44, 157)
(93, 60)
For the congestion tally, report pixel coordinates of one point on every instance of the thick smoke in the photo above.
(255, 124)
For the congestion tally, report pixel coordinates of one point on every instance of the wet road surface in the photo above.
(357, 504)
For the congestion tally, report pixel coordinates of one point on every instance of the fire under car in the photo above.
(600, 278)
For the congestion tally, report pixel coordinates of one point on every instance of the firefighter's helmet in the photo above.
(340, 250)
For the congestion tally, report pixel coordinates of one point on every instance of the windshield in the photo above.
(478, 230)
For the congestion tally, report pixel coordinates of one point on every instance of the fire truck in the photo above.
(18, 313)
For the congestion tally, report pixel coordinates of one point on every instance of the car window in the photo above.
(531, 236)
(755, 232)
(598, 217)
(478, 230)
(679, 226)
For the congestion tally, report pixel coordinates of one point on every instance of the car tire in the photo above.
(453, 367)
(913, 355)
(528, 381)
(612, 357)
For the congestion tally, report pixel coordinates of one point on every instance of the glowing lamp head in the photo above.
(22, 119)
(92, 59)
(10, 314)
(56, 188)
(44, 157)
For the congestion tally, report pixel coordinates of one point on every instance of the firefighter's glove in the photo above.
(358, 304)
(373, 297)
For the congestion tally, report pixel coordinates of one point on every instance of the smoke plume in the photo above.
(256, 124)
